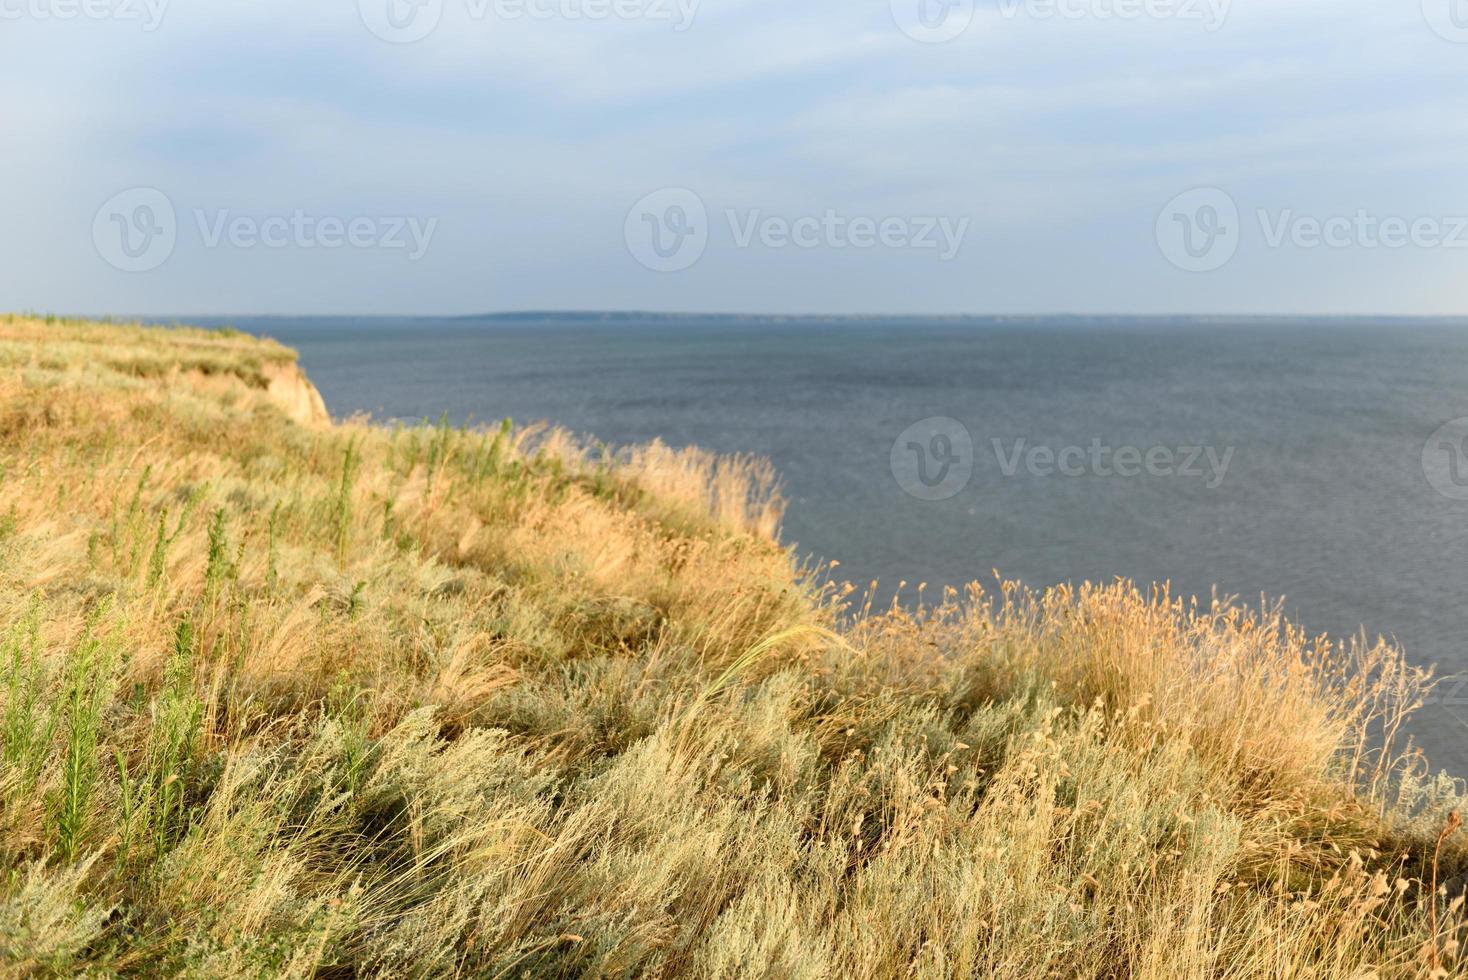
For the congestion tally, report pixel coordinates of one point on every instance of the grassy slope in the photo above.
(337, 700)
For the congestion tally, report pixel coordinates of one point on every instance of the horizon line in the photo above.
(627, 314)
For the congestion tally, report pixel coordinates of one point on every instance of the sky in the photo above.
(176, 157)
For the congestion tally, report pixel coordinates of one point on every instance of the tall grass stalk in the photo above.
(87, 691)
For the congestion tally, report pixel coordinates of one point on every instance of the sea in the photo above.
(1318, 462)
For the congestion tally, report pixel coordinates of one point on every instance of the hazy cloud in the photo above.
(527, 129)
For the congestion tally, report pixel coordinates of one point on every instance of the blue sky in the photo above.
(503, 161)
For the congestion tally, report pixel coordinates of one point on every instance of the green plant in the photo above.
(29, 724)
(342, 507)
(87, 689)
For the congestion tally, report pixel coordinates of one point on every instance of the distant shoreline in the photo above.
(615, 317)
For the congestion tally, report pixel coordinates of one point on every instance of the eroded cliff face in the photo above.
(289, 388)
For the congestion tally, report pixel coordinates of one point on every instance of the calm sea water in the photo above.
(1325, 501)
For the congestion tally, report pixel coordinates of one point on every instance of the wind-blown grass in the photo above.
(284, 699)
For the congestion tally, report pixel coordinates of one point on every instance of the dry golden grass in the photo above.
(284, 699)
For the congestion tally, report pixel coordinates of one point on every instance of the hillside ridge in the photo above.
(283, 696)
